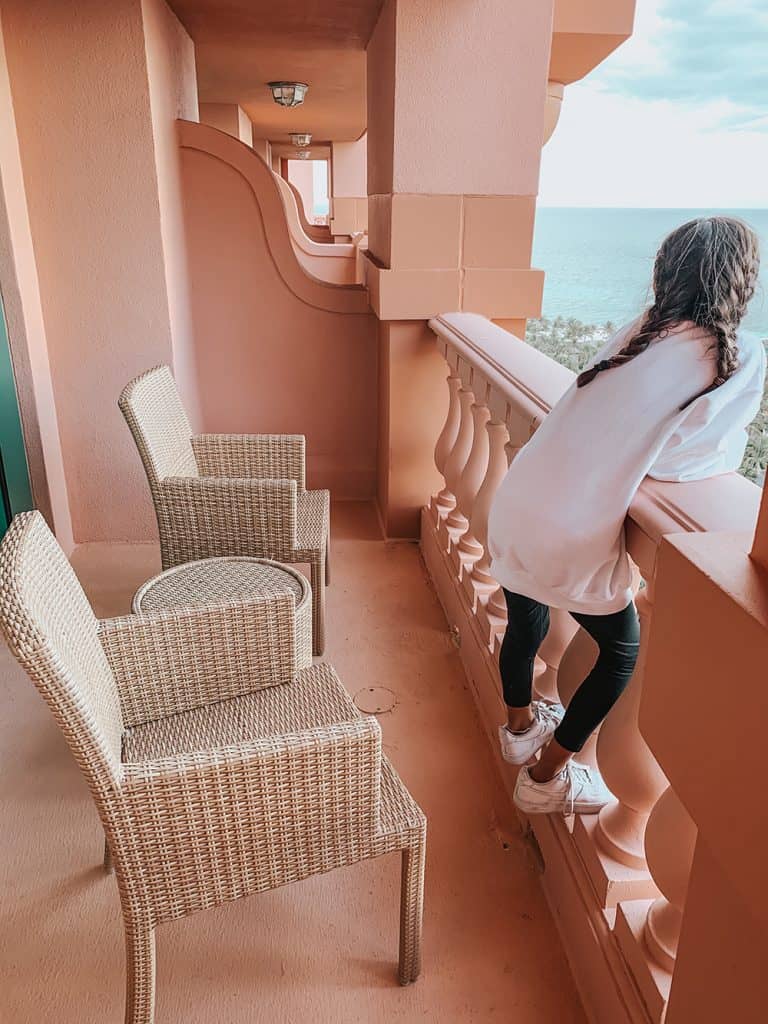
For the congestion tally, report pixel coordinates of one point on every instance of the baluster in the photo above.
(627, 764)
(442, 503)
(469, 548)
(564, 657)
(455, 523)
(479, 584)
(574, 667)
(496, 607)
(670, 840)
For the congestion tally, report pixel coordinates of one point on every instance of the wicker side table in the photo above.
(229, 581)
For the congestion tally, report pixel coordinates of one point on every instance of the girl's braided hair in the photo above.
(706, 273)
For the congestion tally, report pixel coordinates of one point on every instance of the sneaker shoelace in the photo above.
(546, 714)
(575, 774)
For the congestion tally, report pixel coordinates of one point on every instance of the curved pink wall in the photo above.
(277, 351)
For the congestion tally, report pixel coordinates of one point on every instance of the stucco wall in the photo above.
(78, 72)
(426, 117)
(381, 102)
(173, 95)
(229, 118)
(271, 359)
(350, 167)
(300, 174)
(26, 331)
(245, 128)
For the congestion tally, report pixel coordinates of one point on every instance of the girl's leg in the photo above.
(527, 625)
(618, 639)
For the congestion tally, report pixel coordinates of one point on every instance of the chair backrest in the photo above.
(51, 629)
(158, 421)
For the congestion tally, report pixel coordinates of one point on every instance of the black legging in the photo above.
(617, 637)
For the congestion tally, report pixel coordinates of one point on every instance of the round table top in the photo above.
(217, 581)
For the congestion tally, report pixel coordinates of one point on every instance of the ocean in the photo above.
(598, 262)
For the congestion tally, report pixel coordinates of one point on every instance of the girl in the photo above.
(669, 396)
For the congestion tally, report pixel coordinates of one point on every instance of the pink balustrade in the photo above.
(616, 881)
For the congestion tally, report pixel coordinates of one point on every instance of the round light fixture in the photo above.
(303, 154)
(301, 138)
(288, 94)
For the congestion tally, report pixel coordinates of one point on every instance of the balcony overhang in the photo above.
(243, 44)
(585, 32)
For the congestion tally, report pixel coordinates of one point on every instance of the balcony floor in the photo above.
(324, 950)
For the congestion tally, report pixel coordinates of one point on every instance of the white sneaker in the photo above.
(518, 748)
(576, 790)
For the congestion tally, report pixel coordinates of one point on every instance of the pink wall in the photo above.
(435, 96)
(229, 118)
(81, 93)
(173, 95)
(277, 350)
(26, 331)
(350, 167)
(381, 102)
(262, 147)
(300, 174)
(245, 127)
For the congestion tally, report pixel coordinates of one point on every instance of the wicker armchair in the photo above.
(218, 770)
(227, 494)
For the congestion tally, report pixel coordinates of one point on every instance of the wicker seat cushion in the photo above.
(315, 698)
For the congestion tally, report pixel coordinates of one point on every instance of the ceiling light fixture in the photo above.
(301, 138)
(288, 94)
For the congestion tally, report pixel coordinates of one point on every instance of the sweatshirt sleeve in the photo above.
(711, 436)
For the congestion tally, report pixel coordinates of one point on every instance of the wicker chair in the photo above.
(227, 494)
(217, 770)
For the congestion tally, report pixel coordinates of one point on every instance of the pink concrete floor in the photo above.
(324, 950)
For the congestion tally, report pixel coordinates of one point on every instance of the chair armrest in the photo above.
(209, 517)
(179, 660)
(252, 456)
(215, 825)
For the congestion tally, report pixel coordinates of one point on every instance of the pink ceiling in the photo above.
(243, 44)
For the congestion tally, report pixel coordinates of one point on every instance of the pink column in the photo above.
(449, 233)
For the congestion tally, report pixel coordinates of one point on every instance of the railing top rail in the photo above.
(530, 383)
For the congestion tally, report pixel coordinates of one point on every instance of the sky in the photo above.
(676, 117)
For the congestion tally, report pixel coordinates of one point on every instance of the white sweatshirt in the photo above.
(556, 525)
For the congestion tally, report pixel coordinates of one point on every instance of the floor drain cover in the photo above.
(375, 700)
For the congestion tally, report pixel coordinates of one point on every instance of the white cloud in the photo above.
(617, 145)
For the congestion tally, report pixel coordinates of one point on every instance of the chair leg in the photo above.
(411, 909)
(108, 865)
(318, 605)
(140, 974)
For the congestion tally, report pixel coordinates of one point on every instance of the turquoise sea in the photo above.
(598, 262)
